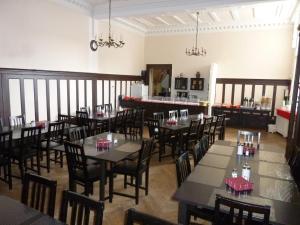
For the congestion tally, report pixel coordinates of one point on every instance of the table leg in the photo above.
(102, 181)
(183, 214)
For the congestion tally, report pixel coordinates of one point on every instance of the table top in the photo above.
(119, 149)
(182, 123)
(273, 183)
(97, 117)
(13, 212)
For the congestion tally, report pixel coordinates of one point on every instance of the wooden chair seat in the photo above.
(128, 167)
(93, 173)
(52, 144)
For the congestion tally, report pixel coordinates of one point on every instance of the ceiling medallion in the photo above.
(94, 44)
(195, 50)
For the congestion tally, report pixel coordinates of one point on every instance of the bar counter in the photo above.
(164, 105)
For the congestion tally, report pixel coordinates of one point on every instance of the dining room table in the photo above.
(120, 148)
(13, 212)
(270, 175)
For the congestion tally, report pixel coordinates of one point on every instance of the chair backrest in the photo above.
(5, 143)
(153, 127)
(204, 142)
(173, 113)
(198, 153)
(158, 115)
(1, 123)
(99, 108)
(134, 217)
(17, 121)
(30, 137)
(77, 133)
(145, 154)
(119, 119)
(39, 193)
(82, 117)
(194, 128)
(183, 168)
(244, 211)
(56, 132)
(85, 109)
(76, 159)
(82, 207)
(64, 118)
(108, 107)
(184, 113)
(249, 136)
(220, 120)
(208, 121)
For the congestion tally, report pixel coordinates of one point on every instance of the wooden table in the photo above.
(273, 183)
(13, 212)
(119, 150)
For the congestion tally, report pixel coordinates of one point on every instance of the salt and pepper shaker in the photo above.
(234, 173)
(246, 171)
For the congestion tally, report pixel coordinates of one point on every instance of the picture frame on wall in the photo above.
(197, 84)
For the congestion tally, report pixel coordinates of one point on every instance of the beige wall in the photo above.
(39, 34)
(261, 54)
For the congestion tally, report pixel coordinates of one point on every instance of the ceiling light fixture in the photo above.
(195, 50)
(94, 44)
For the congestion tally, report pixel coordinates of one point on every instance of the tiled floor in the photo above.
(162, 186)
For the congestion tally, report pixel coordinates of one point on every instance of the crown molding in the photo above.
(81, 5)
(188, 29)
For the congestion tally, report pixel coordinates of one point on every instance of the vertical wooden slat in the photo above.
(232, 94)
(102, 92)
(48, 99)
(115, 94)
(223, 93)
(243, 92)
(77, 95)
(274, 99)
(58, 97)
(121, 89)
(85, 93)
(264, 90)
(253, 91)
(94, 93)
(109, 92)
(126, 94)
(6, 99)
(68, 97)
(22, 94)
(36, 100)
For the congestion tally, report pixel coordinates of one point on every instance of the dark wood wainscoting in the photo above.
(112, 80)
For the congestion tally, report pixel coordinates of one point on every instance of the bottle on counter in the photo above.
(246, 171)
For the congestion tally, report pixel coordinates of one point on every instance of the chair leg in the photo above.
(61, 159)
(48, 160)
(146, 181)
(9, 176)
(137, 189)
(125, 181)
(111, 186)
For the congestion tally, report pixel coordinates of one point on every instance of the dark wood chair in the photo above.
(99, 108)
(82, 208)
(183, 168)
(134, 217)
(82, 118)
(244, 136)
(118, 122)
(1, 123)
(54, 138)
(17, 121)
(190, 138)
(77, 134)
(204, 142)
(241, 208)
(184, 113)
(207, 125)
(153, 128)
(158, 115)
(39, 193)
(108, 107)
(5, 157)
(134, 169)
(220, 127)
(173, 114)
(135, 124)
(166, 138)
(86, 109)
(28, 148)
(81, 172)
(198, 153)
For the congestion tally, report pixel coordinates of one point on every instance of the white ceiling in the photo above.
(165, 16)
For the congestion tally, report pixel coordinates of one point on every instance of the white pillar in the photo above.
(214, 69)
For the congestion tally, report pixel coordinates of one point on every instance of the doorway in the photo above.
(159, 79)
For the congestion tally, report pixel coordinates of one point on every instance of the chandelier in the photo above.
(94, 44)
(195, 50)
